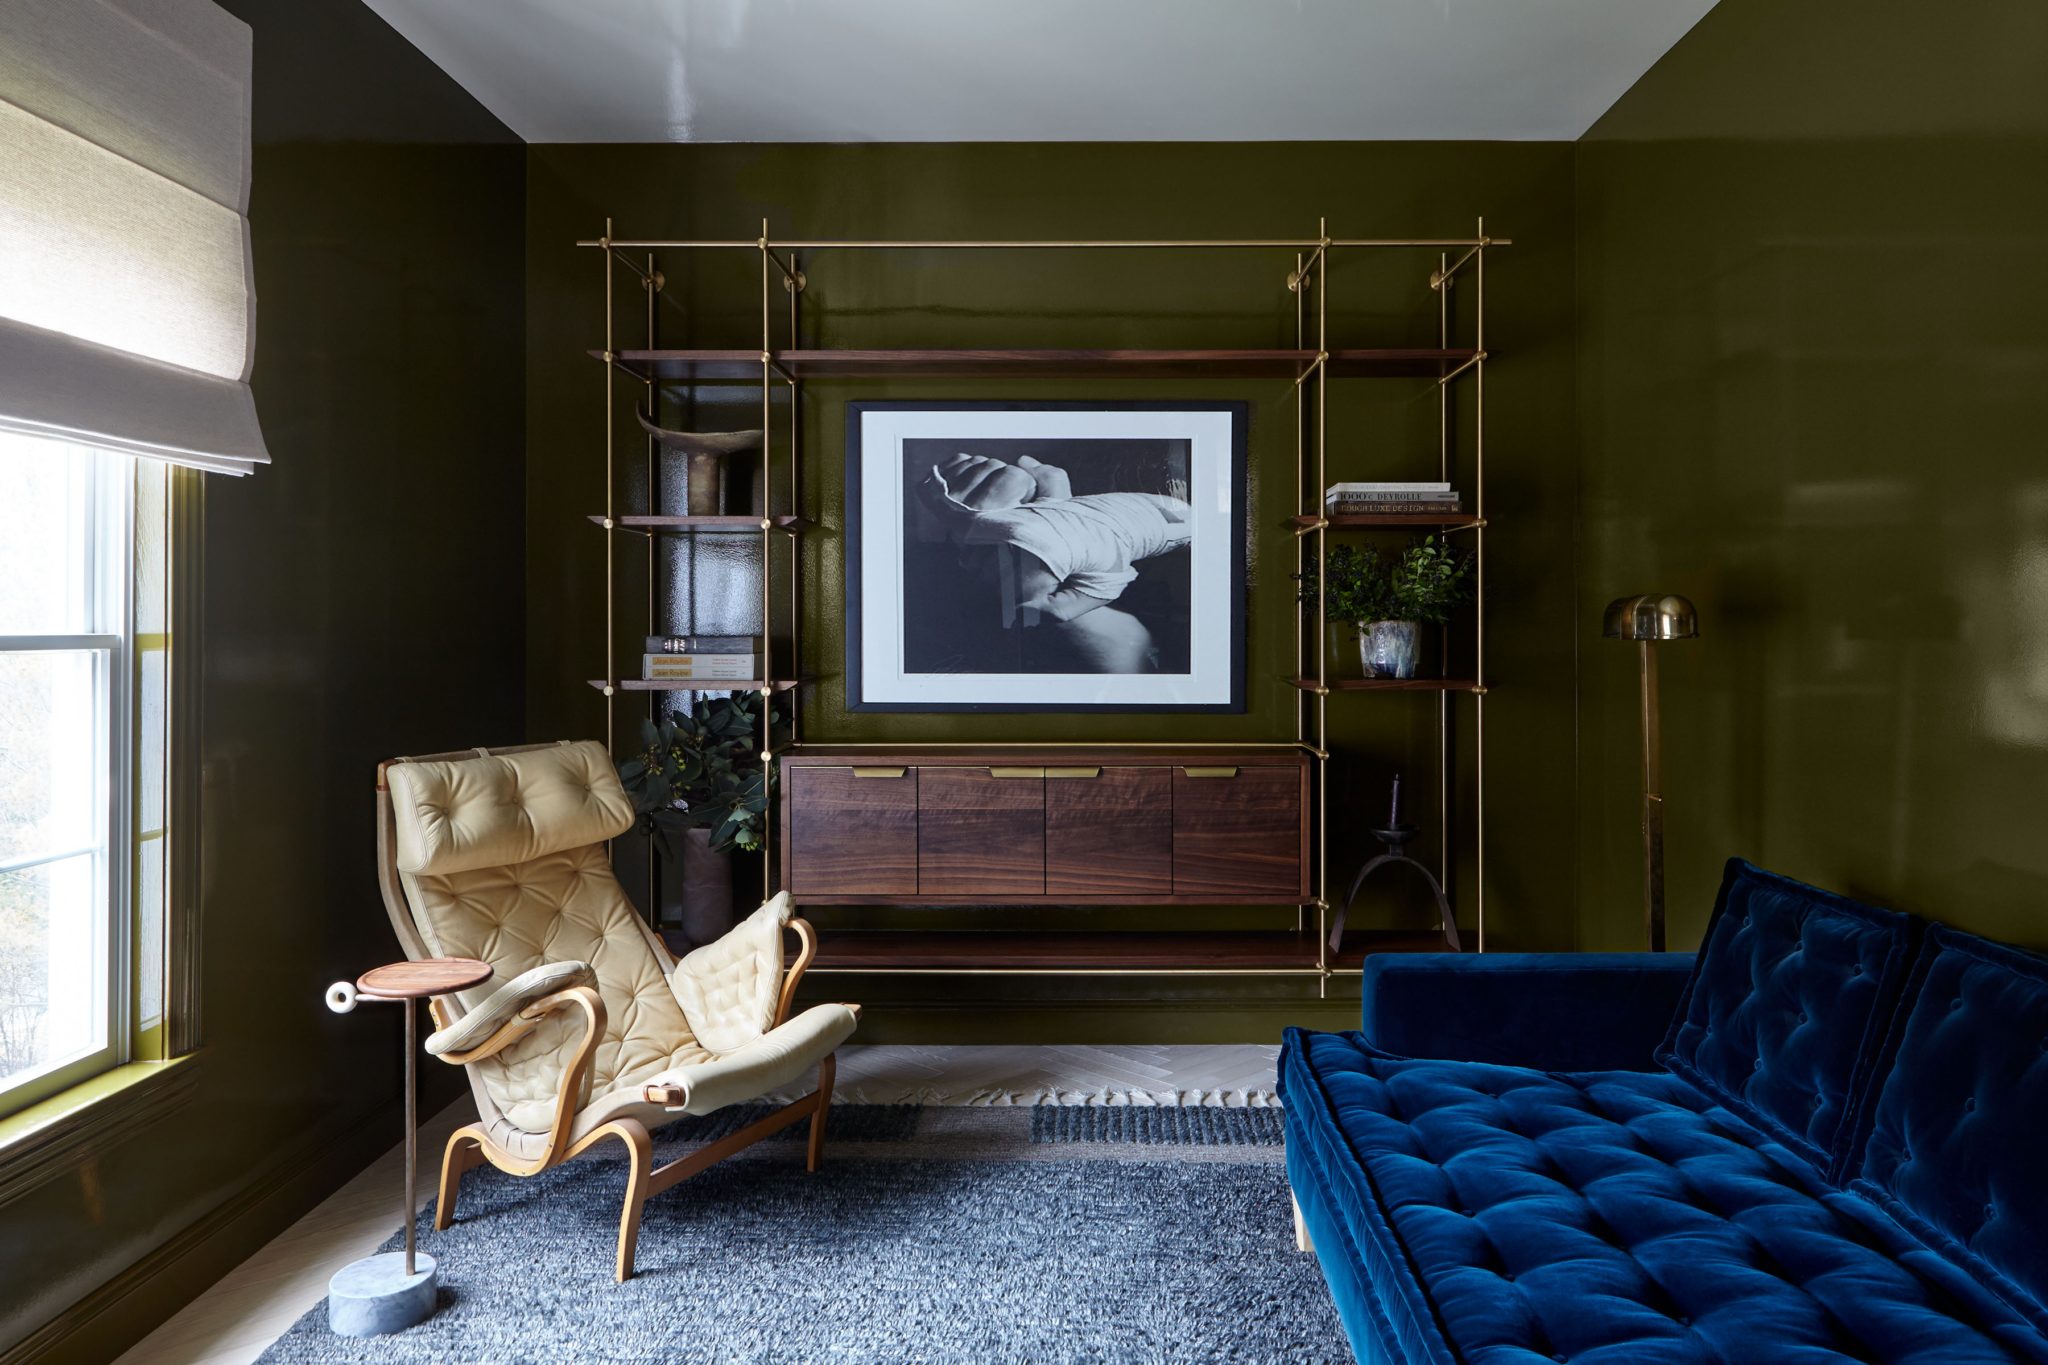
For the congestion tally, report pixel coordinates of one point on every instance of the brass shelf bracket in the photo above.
(1474, 359)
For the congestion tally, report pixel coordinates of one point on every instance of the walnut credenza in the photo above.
(994, 826)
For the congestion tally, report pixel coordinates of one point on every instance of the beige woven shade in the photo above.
(127, 311)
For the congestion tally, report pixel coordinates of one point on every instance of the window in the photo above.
(83, 651)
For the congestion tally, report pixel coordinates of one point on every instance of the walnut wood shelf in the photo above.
(1450, 521)
(732, 367)
(695, 684)
(1219, 953)
(722, 524)
(1063, 363)
(1390, 684)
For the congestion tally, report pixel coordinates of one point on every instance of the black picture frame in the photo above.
(858, 545)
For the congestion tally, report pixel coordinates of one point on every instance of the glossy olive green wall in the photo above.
(1385, 429)
(1813, 391)
(364, 598)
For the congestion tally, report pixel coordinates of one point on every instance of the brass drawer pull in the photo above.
(1073, 772)
(1210, 772)
(880, 772)
(1016, 772)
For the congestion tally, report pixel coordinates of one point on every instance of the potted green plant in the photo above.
(1390, 597)
(701, 791)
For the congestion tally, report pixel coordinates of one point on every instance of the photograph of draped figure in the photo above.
(1047, 556)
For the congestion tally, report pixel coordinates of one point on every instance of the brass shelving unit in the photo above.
(1310, 366)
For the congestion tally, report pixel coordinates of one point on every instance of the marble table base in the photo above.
(373, 1296)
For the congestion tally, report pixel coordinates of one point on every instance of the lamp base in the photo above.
(374, 1296)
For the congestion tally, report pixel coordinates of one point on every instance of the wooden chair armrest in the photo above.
(526, 1021)
(584, 998)
(807, 937)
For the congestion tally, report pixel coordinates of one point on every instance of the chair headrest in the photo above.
(464, 814)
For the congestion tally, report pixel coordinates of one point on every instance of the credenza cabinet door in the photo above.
(1238, 830)
(853, 831)
(1108, 832)
(980, 832)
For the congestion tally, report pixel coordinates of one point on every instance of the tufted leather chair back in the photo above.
(500, 855)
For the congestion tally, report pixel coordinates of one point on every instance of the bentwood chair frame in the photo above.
(568, 993)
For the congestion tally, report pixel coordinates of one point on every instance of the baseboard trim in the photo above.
(276, 1194)
(148, 1093)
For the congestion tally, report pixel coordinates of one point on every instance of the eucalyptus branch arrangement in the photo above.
(1425, 582)
(702, 769)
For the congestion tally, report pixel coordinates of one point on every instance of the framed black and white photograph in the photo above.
(1045, 556)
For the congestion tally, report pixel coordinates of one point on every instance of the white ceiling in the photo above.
(1043, 70)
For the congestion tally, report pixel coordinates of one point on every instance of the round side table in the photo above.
(391, 1291)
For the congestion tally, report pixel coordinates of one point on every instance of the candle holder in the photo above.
(1394, 837)
(392, 1290)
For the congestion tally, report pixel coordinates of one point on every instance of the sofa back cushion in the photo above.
(1788, 1007)
(1956, 1131)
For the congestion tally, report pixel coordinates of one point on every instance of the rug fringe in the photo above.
(1212, 1099)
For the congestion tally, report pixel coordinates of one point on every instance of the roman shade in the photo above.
(127, 311)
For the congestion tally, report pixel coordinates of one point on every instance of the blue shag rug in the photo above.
(931, 1235)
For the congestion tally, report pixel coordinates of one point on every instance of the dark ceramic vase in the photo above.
(697, 889)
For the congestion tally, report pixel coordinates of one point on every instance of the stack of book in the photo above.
(1378, 499)
(702, 658)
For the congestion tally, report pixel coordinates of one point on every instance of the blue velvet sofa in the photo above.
(1824, 1139)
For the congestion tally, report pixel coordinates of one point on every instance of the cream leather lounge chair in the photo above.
(589, 1029)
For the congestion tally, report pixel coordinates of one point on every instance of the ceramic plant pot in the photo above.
(1390, 649)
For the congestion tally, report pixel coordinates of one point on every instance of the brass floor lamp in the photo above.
(1649, 619)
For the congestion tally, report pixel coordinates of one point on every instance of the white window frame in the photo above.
(110, 557)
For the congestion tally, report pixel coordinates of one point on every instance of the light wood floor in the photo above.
(231, 1323)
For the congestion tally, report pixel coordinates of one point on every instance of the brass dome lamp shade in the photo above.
(1648, 619)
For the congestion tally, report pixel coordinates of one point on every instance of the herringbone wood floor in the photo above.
(233, 1321)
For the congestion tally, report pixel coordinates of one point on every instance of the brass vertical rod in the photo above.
(767, 561)
(1443, 699)
(767, 470)
(1479, 593)
(1322, 482)
(652, 396)
(1300, 542)
(1653, 807)
(796, 509)
(611, 663)
(412, 1133)
(1300, 506)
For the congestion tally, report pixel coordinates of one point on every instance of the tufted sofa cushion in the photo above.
(472, 813)
(1960, 1125)
(1506, 1216)
(1789, 1000)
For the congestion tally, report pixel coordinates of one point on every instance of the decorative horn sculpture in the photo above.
(704, 454)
